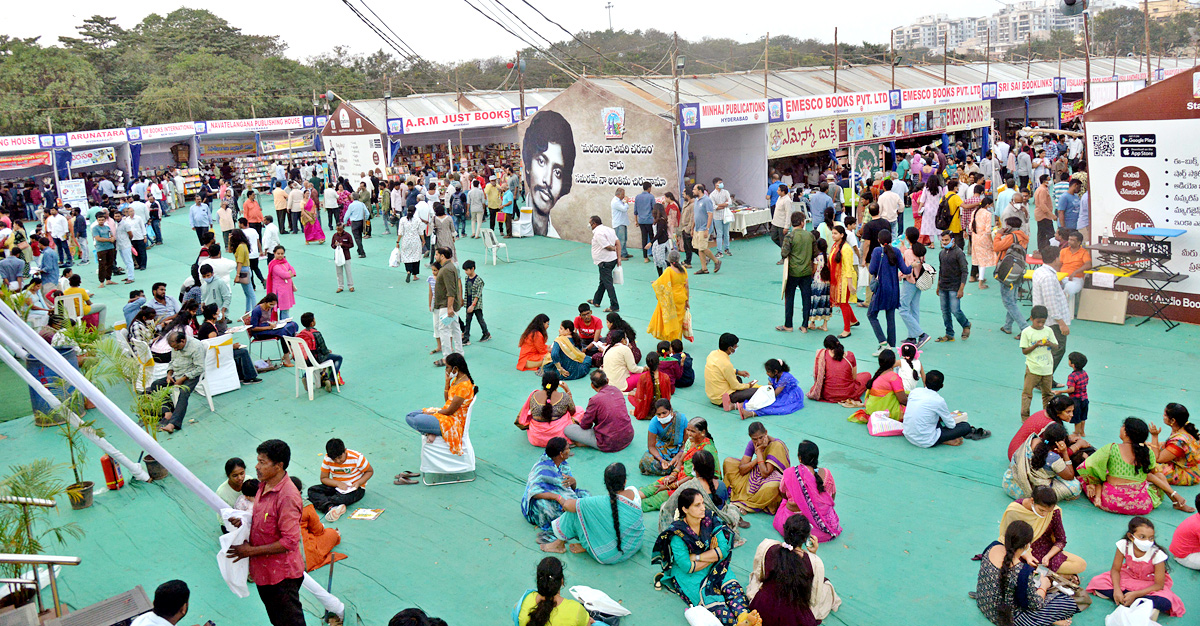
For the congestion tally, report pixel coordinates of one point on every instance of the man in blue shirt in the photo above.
(356, 214)
(507, 200)
(704, 222)
(1068, 206)
(643, 208)
(620, 219)
(819, 202)
(136, 301)
(927, 419)
(200, 219)
(773, 192)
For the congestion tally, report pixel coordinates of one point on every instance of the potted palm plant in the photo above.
(79, 492)
(147, 406)
(25, 529)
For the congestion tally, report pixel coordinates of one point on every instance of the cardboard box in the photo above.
(1103, 305)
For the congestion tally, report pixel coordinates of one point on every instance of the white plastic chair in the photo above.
(436, 457)
(306, 362)
(74, 312)
(198, 390)
(491, 244)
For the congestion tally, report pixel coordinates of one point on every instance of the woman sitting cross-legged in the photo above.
(1009, 591)
(533, 351)
(549, 486)
(1123, 478)
(264, 323)
(754, 479)
(787, 583)
(716, 497)
(664, 440)
(809, 491)
(545, 605)
(836, 377)
(788, 396)
(697, 439)
(609, 527)
(566, 353)
(1179, 456)
(885, 391)
(1139, 570)
(694, 554)
(1042, 513)
(548, 410)
(1043, 460)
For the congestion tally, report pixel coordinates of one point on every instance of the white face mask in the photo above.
(209, 279)
(1143, 544)
(664, 419)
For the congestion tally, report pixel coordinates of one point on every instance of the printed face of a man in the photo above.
(546, 177)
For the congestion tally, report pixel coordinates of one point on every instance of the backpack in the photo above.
(1011, 268)
(925, 280)
(457, 204)
(945, 215)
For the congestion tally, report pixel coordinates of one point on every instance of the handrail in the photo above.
(27, 501)
(39, 559)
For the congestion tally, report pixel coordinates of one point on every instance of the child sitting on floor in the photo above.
(316, 345)
(667, 363)
(689, 375)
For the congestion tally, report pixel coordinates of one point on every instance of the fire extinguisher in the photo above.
(112, 473)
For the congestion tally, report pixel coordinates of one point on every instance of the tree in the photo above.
(37, 82)
(199, 86)
(1120, 31)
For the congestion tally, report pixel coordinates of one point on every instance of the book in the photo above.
(367, 514)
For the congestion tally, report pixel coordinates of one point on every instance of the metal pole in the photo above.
(521, 83)
(766, 64)
(945, 51)
(1116, 51)
(1146, 28)
(835, 59)
(892, 59)
(37, 579)
(987, 51)
(1087, 60)
(1028, 53)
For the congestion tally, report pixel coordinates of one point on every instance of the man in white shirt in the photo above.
(604, 255)
(1002, 149)
(476, 206)
(179, 189)
(295, 203)
(330, 202)
(139, 188)
(722, 203)
(1048, 292)
(140, 208)
(107, 187)
(137, 235)
(59, 229)
(253, 238)
(270, 238)
(1074, 149)
(620, 219)
(123, 233)
(170, 605)
(280, 174)
(900, 186)
(891, 205)
(781, 217)
(424, 213)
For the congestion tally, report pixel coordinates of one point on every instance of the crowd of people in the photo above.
(976, 210)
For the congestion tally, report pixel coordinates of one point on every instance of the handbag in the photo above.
(925, 280)
(1064, 586)
(763, 397)
(687, 325)
(881, 425)
(618, 275)
(339, 259)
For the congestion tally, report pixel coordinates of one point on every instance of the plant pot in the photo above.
(45, 375)
(80, 494)
(155, 469)
(42, 420)
(88, 404)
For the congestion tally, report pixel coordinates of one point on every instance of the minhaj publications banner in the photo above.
(720, 114)
(85, 138)
(22, 161)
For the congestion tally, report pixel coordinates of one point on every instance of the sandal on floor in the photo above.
(404, 481)
(408, 474)
(783, 329)
(439, 363)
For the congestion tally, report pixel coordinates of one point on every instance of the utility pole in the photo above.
(458, 109)
(945, 58)
(766, 64)
(1028, 52)
(1146, 28)
(732, 66)
(1116, 51)
(675, 70)
(521, 82)
(1087, 60)
(49, 124)
(892, 59)
(835, 59)
(609, 6)
(987, 52)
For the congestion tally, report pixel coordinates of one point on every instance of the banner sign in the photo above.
(222, 150)
(85, 138)
(96, 156)
(1071, 110)
(73, 192)
(302, 142)
(177, 130)
(17, 143)
(356, 154)
(865, 161)
(450, 121)
(826, 133)
(225, 127)
(719, 114)
(802, 137)
(22, 161)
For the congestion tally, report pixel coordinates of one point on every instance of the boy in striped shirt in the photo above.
(344, 476)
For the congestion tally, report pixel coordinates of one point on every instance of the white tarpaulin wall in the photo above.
(355, 154)
(738, 154)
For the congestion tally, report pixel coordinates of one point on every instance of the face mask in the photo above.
(209, 279)
(1143, 544)
(664, 419)
(720, 185)
(949, 245)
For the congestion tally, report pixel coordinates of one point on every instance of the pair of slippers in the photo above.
(405, 478)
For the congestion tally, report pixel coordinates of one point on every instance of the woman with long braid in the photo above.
(545, 606)
(608, 527)
(1009, 590)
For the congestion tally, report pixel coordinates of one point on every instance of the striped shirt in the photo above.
(348, 471)
(1056, 192)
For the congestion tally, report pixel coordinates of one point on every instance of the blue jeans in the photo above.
(721, 231)
(424, 423)
(622, 233)
(950, 434)
(337, 361)
(1012, 312)
(910, 308)
(248, 289)
(950, 307)
(873, 317)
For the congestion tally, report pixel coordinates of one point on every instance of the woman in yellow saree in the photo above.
(671, 290)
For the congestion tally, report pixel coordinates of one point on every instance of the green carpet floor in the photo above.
(912, 517)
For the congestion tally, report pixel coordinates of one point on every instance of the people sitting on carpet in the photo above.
(653, 385)
(214, 327)
(694, 554)
(1043, 460)
(808, 490)
(549, 486)
(667, 362)
(605, 425)
(687, 376)
(318, 541)
(722, 383)
(264, 322)
(1124, 478)
(885, 390)
(787, 581)
(548, 410)
(1061, 410)
(1009, 591)
(344, 476)
(909, 367)
(170, 605)
(545, 606)
(609, 527)
(567, 355)
(616, 322)
(754, 478)
(187, 366)
(715, 492)
(681, 471)
(319, 351)
(619, 364)
(587, 325)
(927, 419)
(1185, 543)
(1049, 543)
(664, 440)
(788, 396)
(1139, 570)
(836, 377)
(533, 350)
(1179, 457)
(450, 421)
(235, 474)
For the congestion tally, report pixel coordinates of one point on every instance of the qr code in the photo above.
(1103, 145)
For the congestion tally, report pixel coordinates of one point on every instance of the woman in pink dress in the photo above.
(836, 377)
(930, 198)
(983, 252)
(279, 282)
(311, 219)
(809, 491)
(1139, 570)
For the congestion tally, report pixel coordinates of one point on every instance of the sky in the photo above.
(311, 27)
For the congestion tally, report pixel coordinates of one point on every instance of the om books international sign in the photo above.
(577, 150)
